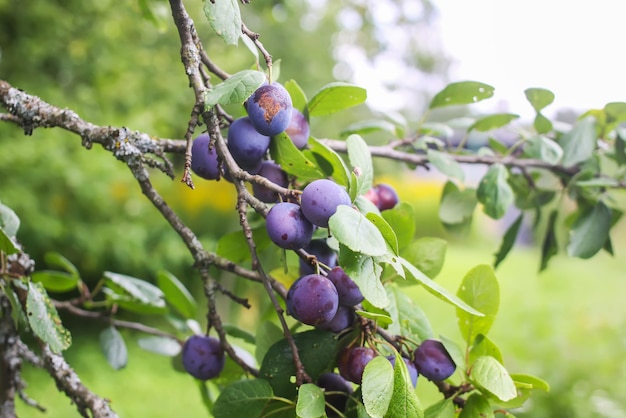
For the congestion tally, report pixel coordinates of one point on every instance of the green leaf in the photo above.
(367, 126)
(160, 345)
(267, 335)
(9, 221)
(461, 93)
(542, 124)
(442, 409)
(590, 231)
(176, 294)
(381, 318)
(54, 259)
(310, 402)
(477, 406)
(402, 219)
(235, 89)
(225, 19)
(245, 398)
(480, 290)
(404, 402)
(508, 240)
(298, 98)
(436, 289)
(456, 206)
(317, 350)
(334, 97)
(427, 254)
(113, 347)
(549, 246)
(488, 374)
(543, 148)
(44, 320)
(534, 381)
(235, 331)
(135, 294)
(409, 320)
(365, 272)
(494, 192)
(483, 346)
(292, 160)
(7, 245)
(356, 232)
(491, 122)
(377, 386)
(55, 281)
(539, 98)
(338, 169)
(446, 164)
(361, 162)
(579, 143)
(385, 229)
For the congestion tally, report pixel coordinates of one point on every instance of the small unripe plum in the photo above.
(269, 109)
(383, 196)
(320, 199)
(312, 300)
(332, 382)
(203, 357)
(352, 363)
(342, 320)
(287, 227)
(410, 367)
(271, 171)
(348, 291)
(204, 161)
(433, 360)
(246, 145)
(322, 252)
(298, 129)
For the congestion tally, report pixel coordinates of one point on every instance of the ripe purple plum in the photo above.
(383, 196)
(287, 227)
(203, 357)
(332, 382)
(204, 161)
(298, 129)
(433, 361)
(312, 300)
(342, 320)
(269, 109)
(352, 363)
(320, 199)
(322, 252)
(348, 291)
(409, 365)
(246, 145)
(271, 171)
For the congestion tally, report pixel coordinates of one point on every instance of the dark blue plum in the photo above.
(312, 300)
(433, 361)
(320, 199)
(204, 162)
(322, 252)
(342, 320)
(269, 109)
(409, 365)
(352, 362)
(203, 357)
(348, 291)
(287, 227)
(332, 382)
(246, 145)
(271, 171)
(298, 129)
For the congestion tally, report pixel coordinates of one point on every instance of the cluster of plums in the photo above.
(270, 112)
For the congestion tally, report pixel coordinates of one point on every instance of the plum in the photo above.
(352, 362)
(312, 300)
(246, 145)
(433, 361)
(287, 227)
(320, 199)
(204, 161)
(298, 129)
(348, 291)
(203, 357)
(269, 109)
(271, 171)
(322, 252)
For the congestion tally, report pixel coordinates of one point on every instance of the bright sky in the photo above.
(576, 49)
